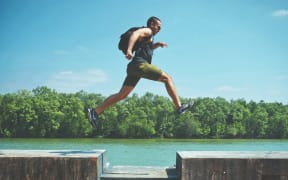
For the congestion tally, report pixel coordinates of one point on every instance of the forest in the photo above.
(45, 113)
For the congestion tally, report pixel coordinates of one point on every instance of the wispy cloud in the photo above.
(280, 13)
(227, 89)
(76, 49)
(71, 81)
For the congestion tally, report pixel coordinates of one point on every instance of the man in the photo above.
(141, 67)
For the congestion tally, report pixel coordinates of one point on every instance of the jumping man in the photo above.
(141, 67)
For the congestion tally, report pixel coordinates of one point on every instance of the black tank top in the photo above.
(144, 51)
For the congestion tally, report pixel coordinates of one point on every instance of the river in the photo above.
(145, 152)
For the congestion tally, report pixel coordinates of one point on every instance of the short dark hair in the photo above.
(152, 19)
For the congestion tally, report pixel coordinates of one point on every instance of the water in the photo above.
(145, 152)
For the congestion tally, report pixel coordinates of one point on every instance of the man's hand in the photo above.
(160, 44)
(129, 54)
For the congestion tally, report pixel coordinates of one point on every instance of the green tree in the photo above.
(25, 114)
(108, 122)
(46, 105)
(238, 115)
(257, 124)
(278, 120)
(212, 113)
(187, 127)
(9, 119)
(163, 116)
(17, 115)
(43, 112)
(71, 117)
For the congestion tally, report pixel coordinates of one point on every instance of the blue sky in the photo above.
(231, 49)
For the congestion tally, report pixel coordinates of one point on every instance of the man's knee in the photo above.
(122, 95)
(165, 78)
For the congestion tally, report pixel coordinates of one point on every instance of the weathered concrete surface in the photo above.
(232, 165)
(51, 164)
(140, 172)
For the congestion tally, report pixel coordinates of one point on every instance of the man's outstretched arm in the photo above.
(159, 44)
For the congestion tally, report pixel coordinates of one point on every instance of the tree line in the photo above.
(43, 112)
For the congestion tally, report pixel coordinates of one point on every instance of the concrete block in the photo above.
(232, 165)
(51, 164)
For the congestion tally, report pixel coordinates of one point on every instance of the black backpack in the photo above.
(124, 40)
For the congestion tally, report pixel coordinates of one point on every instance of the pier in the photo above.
(190, 165)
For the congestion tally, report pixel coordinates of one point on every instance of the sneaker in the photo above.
(184, 107)
(93, 117)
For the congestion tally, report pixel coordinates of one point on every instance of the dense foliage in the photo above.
(43, 112)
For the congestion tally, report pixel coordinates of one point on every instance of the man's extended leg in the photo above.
(171, 89)
(128, 85)
(114, 98)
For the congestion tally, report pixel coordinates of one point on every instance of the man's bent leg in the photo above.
(171, 89)
(114, 98)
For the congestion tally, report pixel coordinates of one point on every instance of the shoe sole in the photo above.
(191, 103)
(92, 122)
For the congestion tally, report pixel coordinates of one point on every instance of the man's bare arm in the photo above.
(137, 35)
(159, 44)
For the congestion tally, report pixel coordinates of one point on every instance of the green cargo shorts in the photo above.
(137, 70)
